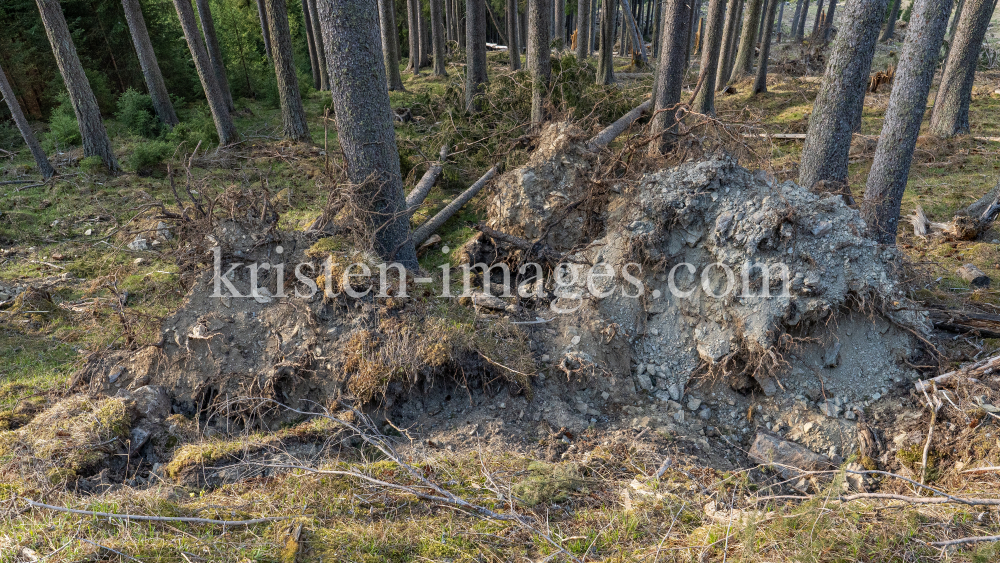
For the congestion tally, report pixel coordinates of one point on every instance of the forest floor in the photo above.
(624, 492)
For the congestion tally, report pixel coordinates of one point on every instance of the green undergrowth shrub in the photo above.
(63, 129)
(136, 113)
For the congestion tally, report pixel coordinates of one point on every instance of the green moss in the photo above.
(548, 483)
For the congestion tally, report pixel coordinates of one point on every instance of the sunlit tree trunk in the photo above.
(324, 71)
(364, 124)
(907, 102)
(583, 8)
(760, 82)
(800, 32)
(147, 61)
(728, 43)
(42, 161)
(950, 115)
(748, 41)
(837, 110)
(670, 73)
(215, 52)
(206, 73)
(88, 113)
(475, 56)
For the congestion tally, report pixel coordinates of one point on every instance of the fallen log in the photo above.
(423, 187)
(971, 371)
(612, 131)
(434, 223)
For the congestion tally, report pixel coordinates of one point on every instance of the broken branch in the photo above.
(423, 187)
(612, 131)
(140, 518)
(545, 252)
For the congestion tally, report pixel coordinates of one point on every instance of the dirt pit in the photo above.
(689, 337)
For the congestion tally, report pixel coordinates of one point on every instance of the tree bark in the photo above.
(147, 61)
(413, 35)
(324, 71)
(670, 73)
(42, 161)
(728, 43)
(364, 123)
(88, 113)
(657, 21)
(704, 101)
(950, 115)
(781, 16)
(216, 100)
(559, 23)
(449, 19)
(475, 56)
(907, 102)
(293, 116)
(583, 8)
(748, 41)
(760, 82)
(264, 31)
(606, 46)
(800, 33)
(539, 57)
(890, 24)
(838, 106)
(512, 47)
(437, 31)
(311, 45)
(423, 28)
(795, 18)
(819, 14)
(215, 53)
(829, 20)
(390, 44)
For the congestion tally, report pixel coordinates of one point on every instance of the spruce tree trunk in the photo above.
(800, 32)
(264, 31)
(748, 41)
(475, 56)
(781, 16)
(461, 16)
(726, 52)
(950, 115)
(449, 17)
(311, 45)
(763, 19)
(838, 106)
(559, 23)
(606, 44)
(583, 8)
(364, 123)
(413, 35)
(88, 113)
(657, 11)
(704, 101)
(512, 48)
(209, 83)
(423, 31)
(390, 44)
(147, 61)
(539, 57)
(324, 71)
(760, 83)
(670, 73)
(890, 24)
(437, 30)
(819, 14)
(907, 102)
(42, 161)
(215, 53)
(828, 28)
(293, 116)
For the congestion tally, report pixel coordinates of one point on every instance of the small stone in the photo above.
(163, 231)
(545, 357)
(675, 391)
(138, 244)
(137, 261)
(830, 409)
(503, 405)
(640, 369)
(832, 357)
(679, 417)
(575, 340)
(705, 413)
(116, 372)
(693, 403)
(88, 232)
(605, 395)
(644, 382)
(876, 396)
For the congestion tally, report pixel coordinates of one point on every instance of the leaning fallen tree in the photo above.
(967, 224)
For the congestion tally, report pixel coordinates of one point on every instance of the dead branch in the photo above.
(974, 539)
(980, 368)
(551, 256)
(612, 131)
(434, 223)
(922, 500)
(141, 518)
(423, 187)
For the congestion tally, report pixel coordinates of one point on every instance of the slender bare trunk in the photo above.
(475, 57)
(324, 71)
(42, 161)
(748, 41)
(907, 102)
(950, 115)
(704, 101)
(760, 83)
(583, 8)
(512, 47)
(311, 45)
(437, 30)
(206, 73)
(606, 45)
(88, 113)
(390, 44)
(539, 57)
(215, 52)
(413, 59)
(147, 61)
(890, 24)
(670, 73)
(264, 31)
(293, 116)
(728, 42)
